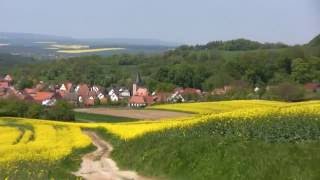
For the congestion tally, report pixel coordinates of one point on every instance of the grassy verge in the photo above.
(99, 118)
(276, 147)
(61, 169)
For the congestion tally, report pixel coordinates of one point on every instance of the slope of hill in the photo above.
(250, 143)
(315, 41)
(231, 142)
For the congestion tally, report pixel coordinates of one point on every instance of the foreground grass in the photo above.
(281, 146)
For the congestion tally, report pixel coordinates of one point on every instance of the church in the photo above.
(140, 94)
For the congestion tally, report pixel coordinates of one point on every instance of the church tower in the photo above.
(136, 84)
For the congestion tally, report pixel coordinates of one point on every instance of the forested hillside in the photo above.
(208, 66)
(7, 61)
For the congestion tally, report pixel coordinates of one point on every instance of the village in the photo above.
(84, 95)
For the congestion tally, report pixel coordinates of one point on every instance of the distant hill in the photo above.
(315, 41)
(236, 45)
(45, 46)
(9, 36)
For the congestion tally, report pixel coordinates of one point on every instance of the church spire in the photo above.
(138, 79)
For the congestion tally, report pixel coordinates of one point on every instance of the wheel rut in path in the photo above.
(98, 165)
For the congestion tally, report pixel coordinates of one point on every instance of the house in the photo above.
(8, 79)
(312, 87)
(141, 91)
(140, 95)
(176, 97)
(138, 89)
(4, 85)
(149, 100)
(124, 92)
(117, 93)
(221, 91)
(102, 98)
(89, 96)
(137, 101)
(90, 101)
(191, 91)
(66, 87)
(40, 86)
(82, 90)
(45, 98)
(113, 95)
(30, 91)
(97, 89)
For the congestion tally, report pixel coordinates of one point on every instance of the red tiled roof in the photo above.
(141, 91)
(137, 100)
(149, 100)
(83, 90)
(68, 86)
(41, 96)
(30, 91)
(4, 85)
(191, 91)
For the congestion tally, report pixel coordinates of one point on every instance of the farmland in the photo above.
(222, 140)
(77, 51)
(135, 114)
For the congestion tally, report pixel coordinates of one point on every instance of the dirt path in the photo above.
(135, 114)
(98, 165)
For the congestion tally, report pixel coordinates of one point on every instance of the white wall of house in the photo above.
(49, 102)
(101, 96)
(114, 98)
(63, 88)
(125, 93)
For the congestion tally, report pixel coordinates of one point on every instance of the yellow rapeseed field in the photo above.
(41, 140)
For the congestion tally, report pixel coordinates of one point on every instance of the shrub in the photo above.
(286, 91)
(18, 108)
(61, 111)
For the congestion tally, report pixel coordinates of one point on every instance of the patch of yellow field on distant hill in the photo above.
(78, 51)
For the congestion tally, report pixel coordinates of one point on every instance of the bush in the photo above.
(18, 108)
(286, 91)
(62, 111)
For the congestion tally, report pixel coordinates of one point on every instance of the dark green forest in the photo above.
(241, 62)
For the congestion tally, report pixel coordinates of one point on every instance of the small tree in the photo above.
(34, 111)
(286, 91)
(61, 111)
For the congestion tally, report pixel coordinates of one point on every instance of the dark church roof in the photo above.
(138, 79)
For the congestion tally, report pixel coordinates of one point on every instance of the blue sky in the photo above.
(186, 21)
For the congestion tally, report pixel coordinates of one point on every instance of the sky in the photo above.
(183, 21)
